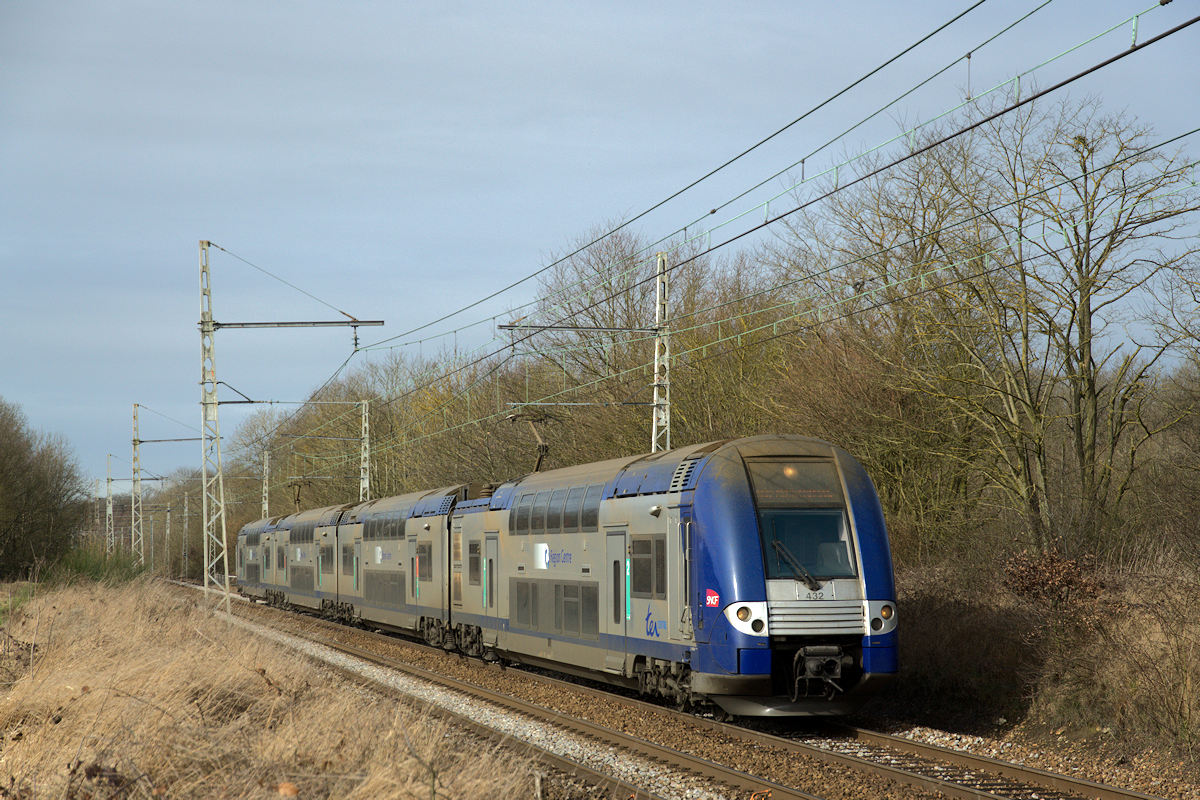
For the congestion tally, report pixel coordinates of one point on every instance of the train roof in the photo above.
(667, 471)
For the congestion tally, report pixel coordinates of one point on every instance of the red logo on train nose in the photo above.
(712, 599)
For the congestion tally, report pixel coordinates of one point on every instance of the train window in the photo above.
(457, 587)
(520, 523)
(525, 605)
(660, 567)
(280, 558)
(812, 542)
(589, 519)
(347, 559)
(456, 553)
(641, 567)
(554, 513)
(327, 559)
(267, 557)
(795, 483)
(425, 561)
(617, 585)
(491, 583)
(648, 567)
(571, 511)
(590, 609)
(473, 563)
(570, 608)
(537, 519)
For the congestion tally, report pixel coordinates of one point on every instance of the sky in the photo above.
(401, 160)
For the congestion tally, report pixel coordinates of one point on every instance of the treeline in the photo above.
(1000, 328)
(42, 496)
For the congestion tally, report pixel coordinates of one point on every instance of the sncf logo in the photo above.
(712, 599)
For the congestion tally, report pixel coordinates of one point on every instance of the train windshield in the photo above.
(802, 520)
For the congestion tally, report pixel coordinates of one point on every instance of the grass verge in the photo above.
(134, 691)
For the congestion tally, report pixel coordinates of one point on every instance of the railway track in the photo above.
(950, 772)
(667, 766)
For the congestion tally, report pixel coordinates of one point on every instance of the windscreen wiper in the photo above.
(797, 567)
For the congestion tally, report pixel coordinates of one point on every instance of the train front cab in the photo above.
(794, 593)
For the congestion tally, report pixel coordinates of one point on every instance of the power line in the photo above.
(913, 154)
(284, 281)
(696, 182)
(922, 276)
(563, 295)
(779, 217)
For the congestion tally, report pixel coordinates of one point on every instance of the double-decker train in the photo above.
(753, 574)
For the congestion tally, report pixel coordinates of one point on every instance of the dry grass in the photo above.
(137, 692)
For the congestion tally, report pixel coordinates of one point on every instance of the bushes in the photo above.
(41, 496)
(88, 561)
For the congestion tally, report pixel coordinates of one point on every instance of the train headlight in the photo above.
(881, 616)
(749, 618)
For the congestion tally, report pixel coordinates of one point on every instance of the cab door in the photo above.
(616, 610)
(491, 576)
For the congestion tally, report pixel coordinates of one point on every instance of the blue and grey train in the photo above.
(753, 574)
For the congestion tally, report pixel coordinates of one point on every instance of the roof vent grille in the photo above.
(683, 473)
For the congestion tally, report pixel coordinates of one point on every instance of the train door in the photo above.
(679, 591)
(268, 563)
(357, 564)
(491, 573)
(616, 612)
(414, 587)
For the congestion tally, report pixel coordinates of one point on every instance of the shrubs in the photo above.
(89, 562)
(1060, 644)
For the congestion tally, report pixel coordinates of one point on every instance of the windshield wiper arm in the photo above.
(797, 567)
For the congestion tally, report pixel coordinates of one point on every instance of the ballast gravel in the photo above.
(602, 758)
(776, 764)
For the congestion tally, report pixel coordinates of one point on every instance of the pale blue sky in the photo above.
(400, 159)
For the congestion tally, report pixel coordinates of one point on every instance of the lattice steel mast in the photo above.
(266, 482)
(364, 467)
(110, 539)
(212, 479)
(136, 542)
(660, 433)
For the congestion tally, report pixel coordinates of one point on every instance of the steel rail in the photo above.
(1062, 783)
(607, 783)
(970, 777)
(654, 752)
(954, 773)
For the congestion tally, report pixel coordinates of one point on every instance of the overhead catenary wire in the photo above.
(744, 339)
(775, 219)
(816, 311)
(697, 181)
(284, 281)
(875, 172)
(563, 294)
